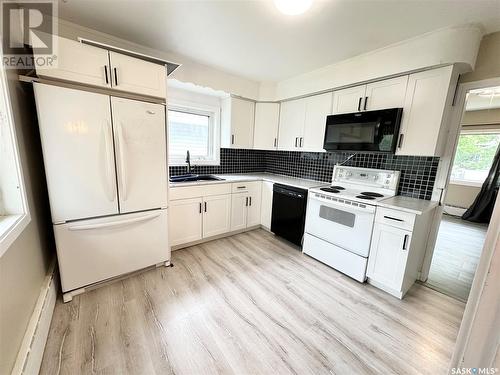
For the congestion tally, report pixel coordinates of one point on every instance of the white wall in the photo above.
(458, 45)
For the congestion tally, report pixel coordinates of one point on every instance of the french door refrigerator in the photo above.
(106, 167)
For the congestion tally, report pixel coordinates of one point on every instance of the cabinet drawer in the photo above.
(185, 192)
(243, 187)
(395, 218)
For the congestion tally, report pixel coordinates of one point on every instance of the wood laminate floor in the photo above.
(250, 304)
(456, 256)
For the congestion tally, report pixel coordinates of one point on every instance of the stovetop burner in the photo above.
(337, 187)
(330, 190)
(365, 197)
(372, 194)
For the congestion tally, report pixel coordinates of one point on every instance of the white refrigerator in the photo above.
(106, 167)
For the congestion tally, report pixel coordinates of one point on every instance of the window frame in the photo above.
(213, 114)
(12, 224)
(469, 132)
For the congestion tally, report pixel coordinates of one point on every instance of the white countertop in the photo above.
(286, 180)
(408, 204)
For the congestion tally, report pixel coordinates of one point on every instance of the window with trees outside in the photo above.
(194, 130)
(474, 157)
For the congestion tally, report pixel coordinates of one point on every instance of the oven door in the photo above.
(375, 131)
(348, 226)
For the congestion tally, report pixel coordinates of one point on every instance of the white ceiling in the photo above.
(254, 40)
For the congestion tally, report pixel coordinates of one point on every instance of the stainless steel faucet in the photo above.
(188, 161)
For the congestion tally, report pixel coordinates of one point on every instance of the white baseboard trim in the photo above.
(455, 211)
(29, 357)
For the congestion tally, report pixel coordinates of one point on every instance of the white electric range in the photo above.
(340, 217)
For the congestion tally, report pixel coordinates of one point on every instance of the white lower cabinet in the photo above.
(203, 211)
(216, 214)
(388, 255)
(185, 221)
(245, 210)
(397, 249)
(266, 206)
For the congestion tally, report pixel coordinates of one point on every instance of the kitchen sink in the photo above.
(195, 177)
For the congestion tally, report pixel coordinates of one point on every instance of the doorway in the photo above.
(461, 237)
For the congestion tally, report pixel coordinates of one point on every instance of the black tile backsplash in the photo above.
(418, 173)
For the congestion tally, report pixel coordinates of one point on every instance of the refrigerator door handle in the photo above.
(115, 223)
(109, 161)
(123, 168)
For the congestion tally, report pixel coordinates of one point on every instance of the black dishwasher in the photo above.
(289, 212)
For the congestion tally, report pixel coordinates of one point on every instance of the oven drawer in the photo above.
(395, 218)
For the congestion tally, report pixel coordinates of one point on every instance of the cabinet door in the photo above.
(138, 76)
(242, 121)
(140, 141)
(185, 221)
(388, 254)
(254, 203)
(292, 117)
(79, 62)
(266, 207)
(216, 215)
(266, 126)
(423, 111)
(389, 93)
(239, 208)
(348, 100)
(317, 108)
(78, 153)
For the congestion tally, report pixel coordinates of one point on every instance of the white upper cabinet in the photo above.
(291, 124)
(427, 103)
(302, 123)
(348, 100)
(237, 123)
(266, 126)
(82, 63)
(389, 93)
(317, 108)
(135, 75)
(140, 146)
(79, 62)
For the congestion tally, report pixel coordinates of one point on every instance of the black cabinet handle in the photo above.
(359, 104)
(200, 207)
(296, 140)
(116, 77)
(275, 142)
(405, 241)
(205, 206)
(400, 143)
(250, 201)
(232, 139)
(366, 101)
(106, 74)
(246, 201)
(300, 142)
(393, 218)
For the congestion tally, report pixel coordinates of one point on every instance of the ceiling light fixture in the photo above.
(292, 7)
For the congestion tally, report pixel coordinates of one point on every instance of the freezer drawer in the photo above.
(93, 250)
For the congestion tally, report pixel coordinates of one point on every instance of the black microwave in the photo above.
(372, 131)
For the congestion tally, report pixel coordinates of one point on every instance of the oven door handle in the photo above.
(345, 207)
